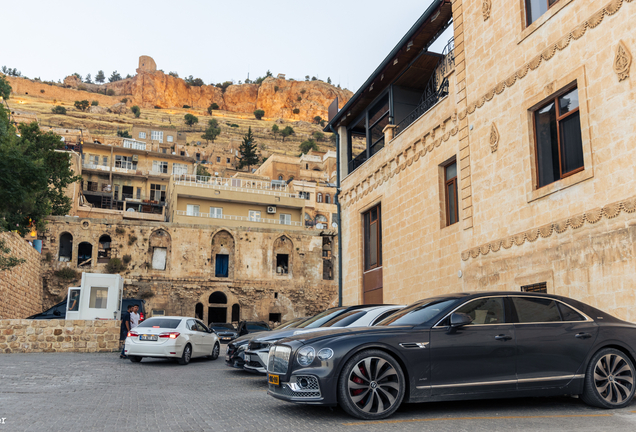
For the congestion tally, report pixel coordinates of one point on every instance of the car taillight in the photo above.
(141, 317)
(171, 335)
(132, 334)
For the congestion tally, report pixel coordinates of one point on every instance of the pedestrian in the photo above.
(123, 332)
(134, 317)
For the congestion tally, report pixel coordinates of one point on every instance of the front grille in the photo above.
(279, 359)
(255, 346)
(311, 390)
(254, 364)
(311, 382)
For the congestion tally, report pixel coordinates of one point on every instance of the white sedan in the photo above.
(176, 337)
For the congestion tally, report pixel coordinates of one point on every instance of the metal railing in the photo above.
(107, 168)
(235, 184)
(240, 218)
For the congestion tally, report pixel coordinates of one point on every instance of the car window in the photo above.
(227, 326)
(569, 314)
(345, 319)
(257, 327)
(322, 318)
(169, 323)
(191, 325)
(201, 327)
(536, 310)
(384, 316)
(485, 310)
(419, 313)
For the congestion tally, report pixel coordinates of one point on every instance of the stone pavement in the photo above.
(100, 392)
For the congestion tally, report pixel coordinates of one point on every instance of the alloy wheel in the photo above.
(187, 354)
(373, 385)
(613, 378)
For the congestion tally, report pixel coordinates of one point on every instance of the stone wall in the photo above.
(25, 336)
(20, 287)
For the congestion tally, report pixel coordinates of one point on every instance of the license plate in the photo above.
(227, 358)
(247, 358)
(148, 338)
(274, 379)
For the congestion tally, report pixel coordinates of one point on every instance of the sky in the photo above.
(216, 41)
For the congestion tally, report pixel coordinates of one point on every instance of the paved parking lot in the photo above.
(100, 392)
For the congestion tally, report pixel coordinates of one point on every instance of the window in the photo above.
(74, 299)
(198, 156)
(485, 310)
(216, 212)
(159, 258)
(282, 263)
(450, 190)
(99, 298)
(170, 138)
(221, 265)
(93, 159)
(116, 195)
(179, 168)
(218, 159)
(559, 147)
(227, 160)
(304, 195)
(537, 288)
(105, 160)
(142, 135)
(275, 317)
(164, 150)
(156, 136)
(192, 210)
(182, 153)
(138, 193)
(536, 310)
(134, 145)
(569, 314)
(285, 219)
(125, 162)
(536, 8)
(160, 167)
(327, 199)
(372, 239)
(254, 215)
(91, 186)
(319, 197)
(157, 192)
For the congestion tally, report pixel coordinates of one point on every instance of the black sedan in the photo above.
(461, 346)
(225, 331)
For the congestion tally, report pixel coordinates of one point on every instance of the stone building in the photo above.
(503, 162)
(164, 140)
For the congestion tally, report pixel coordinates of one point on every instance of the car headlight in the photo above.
(325, 354)
(306, 356)
(242, 347)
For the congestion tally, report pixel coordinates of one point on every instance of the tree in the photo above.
(196, 82)
(213, 130)
(94, 103)
(248, 155)
(328, 80)
(287, 132)
(213, 106)
(123, 134)
(275, 130)
(308, 145)
(136, 111)
(110, 92)
(317, 119)
(319, 136)
(306, 77)
(259, 113)
(5, 88)
(114, 77)
(296, 111)
(78, 76)
(100, 77)
(59, 110)
(173, 74)
(202, 171)
(190, 119)
(82, 105)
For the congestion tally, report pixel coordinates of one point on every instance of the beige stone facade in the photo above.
(20, 287)
(31, 336)
(576, 234)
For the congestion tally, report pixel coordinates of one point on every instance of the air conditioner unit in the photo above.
(271, 209)
(135, 158)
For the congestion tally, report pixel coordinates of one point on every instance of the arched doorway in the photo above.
(103, 250)
(217, 312)
(66, 247)
(236, 313)
(198, 311)
(84, 254)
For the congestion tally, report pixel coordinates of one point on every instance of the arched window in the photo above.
(218, 298)
(320, 218)
(319, 197)
(280, 177)
(327, 198)
(236, 313)
(84, 253)
(66, 247)
(103, 250)
(198, 311)
(283, 248)
(223, 254)
(159, 249)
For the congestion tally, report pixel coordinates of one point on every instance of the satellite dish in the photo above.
(334, 225)
(130, 209)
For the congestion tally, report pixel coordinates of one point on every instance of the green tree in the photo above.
(203, 171)
(248, 155)
(275, 130)
(196, 82)
(94, 103)
(88, 79)
(308, 145)
(296, 111)
(5, 88)
(287, 132)
(259, 113)
(136, 111)
(123, 134)
(317, 119)
(318, 136)
(213, 130)
(173, 74)
(190, 119)
(213, 106)
(114, 77)
(78, 76)
(100, 77)
(58, 110)
(328, 80)
(82, 105)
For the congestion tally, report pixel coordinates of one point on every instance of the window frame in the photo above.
(447, 183)
(142, 135)
(527, 17)
(193, 210)
(367, 225)
(252, 215)
(215, 213)
(285, 218)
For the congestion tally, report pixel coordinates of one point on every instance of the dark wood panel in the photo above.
(372, 286)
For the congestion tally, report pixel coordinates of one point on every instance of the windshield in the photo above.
(170, 323)
(290, 324)
(222, 326)
(345, 319)
(418, 313)
(321, 318)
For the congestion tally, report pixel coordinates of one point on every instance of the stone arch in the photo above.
(217, 297)
(217, 307)
(198, 311)
(159, 249)
(282, 256)
(223, 253)
(65, 251)
(236, 312)
(104, 249)
(319, 197)
(85, 254)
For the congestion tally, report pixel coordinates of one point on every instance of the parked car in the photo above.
(180, 338)
(461, 346)
(59, 310)
(235, 354)
(246, 327)
(257, 350)
(226, 331)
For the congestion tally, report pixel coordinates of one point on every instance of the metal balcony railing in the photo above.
(236, 184)
(240, 218)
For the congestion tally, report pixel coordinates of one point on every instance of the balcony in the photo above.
(106, 168)
(240, 218)
(272, 188)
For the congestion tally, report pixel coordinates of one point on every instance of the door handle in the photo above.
(583, 336)
(503, 337)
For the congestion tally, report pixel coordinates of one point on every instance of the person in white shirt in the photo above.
(134, 317)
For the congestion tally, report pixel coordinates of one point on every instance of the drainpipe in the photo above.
(339, 215)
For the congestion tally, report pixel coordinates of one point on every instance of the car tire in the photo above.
(215, 351)
(360, 392)
(609, 380)
(135, 359)
(186, 356)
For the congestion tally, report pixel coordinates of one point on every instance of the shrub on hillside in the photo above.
(82, 105)
(296, 111)
(124, 100)
(59, 110)
(110, 92)
(187, 106)
(94, 103)
(259, 113)
(190, 119)
(114, 266)
(213, 106)
(66, 273)
(123, 134)
(136, 111)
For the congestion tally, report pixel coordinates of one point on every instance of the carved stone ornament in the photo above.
(485, 9)
(494, 138)
(622, 62)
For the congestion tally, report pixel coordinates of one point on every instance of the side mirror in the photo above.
(459, 319)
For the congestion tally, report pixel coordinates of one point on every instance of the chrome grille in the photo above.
(279, 359)
(294, 389)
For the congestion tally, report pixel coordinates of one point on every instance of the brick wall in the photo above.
(21, 287)
(24, 336)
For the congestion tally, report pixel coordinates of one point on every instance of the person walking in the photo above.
(134, 317)
(123, 332)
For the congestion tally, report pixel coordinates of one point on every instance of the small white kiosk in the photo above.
(99, 297)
